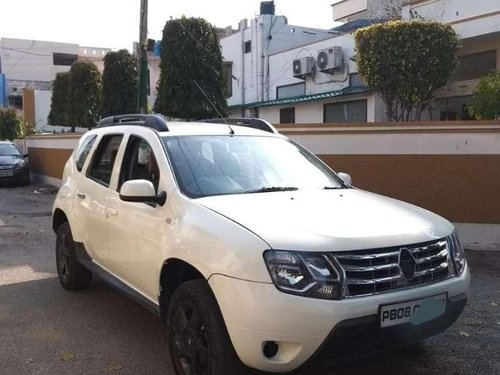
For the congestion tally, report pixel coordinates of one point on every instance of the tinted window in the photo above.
(84, 150)
(8, 149)
(65, 59)
(287, 115)
(216, 165)
(475, 65)
(248, 46)
(354, 111)
(104, 159)
(139, 163)
(291, 91)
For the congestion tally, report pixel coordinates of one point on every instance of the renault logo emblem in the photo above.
(407, 263)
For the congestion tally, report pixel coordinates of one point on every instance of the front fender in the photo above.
(212, 243)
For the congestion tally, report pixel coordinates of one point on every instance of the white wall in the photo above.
(281, 64)
(312, 112)
(250, 69)
(154, 76)
(343, 9)
(32, 60)
(43, 100)
(459, 12)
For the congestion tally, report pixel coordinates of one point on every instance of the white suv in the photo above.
(253, 251)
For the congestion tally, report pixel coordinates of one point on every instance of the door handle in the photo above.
(81, 196)
(112, 212)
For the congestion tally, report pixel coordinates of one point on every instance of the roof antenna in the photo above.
(231, 130)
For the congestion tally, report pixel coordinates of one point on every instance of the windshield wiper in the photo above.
(332, 187)
(270, 189)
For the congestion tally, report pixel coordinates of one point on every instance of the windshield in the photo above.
(217, 165)
(8, 149)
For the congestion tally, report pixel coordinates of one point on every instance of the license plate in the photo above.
(414, 312)
(6, 173)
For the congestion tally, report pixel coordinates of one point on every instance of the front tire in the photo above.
(72, 274)
(198, 340)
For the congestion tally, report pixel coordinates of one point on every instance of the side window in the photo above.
(83, 151)
(139, 162)
(104, 159)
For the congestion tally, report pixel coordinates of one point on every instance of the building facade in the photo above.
(352, 10)
(291, 74)
(29, 68)
(478, 27)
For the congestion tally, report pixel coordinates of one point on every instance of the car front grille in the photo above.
(6, 166)
(377, 271)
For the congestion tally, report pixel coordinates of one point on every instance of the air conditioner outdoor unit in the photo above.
(303, 67)
(329, 59)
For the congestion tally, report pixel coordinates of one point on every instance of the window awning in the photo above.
(309, 98)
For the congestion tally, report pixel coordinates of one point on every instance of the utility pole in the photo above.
(142, 98)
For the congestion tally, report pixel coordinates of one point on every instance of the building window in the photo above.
(228, 76)
(355, 80)
(354, 111)
(291, 91)
(287, 115)
(475, 66)
(453, 108)
(16, 101)
(248, 46)
(65, 59)
(253, 112)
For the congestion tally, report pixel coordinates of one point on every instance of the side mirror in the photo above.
(25, 155)
(345, 177)
(141, 191)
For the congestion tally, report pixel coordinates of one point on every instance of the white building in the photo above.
(351, 10)
(478, 26)
(268, 49)
(30, 67)
(274, 72)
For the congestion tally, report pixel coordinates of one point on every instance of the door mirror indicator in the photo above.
(345, 177)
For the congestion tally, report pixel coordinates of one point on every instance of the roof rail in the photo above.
(254, 123)
(156, 122)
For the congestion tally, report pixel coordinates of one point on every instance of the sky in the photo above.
(115, 23)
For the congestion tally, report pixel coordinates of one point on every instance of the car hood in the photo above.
(7, 160)
(329, 220)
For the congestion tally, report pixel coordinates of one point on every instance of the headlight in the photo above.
(20, 163)
(457, 253)
(306, 274)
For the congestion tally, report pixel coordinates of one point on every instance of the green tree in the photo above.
(486, 102)
(84, 95)
(119, 84)
(9, 124)
(60, 102)
(191, 82)
(406, 62)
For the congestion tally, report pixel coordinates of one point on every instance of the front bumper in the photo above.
(19, 175)
(353, 336)
(307, 328)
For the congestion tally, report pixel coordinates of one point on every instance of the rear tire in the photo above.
(72, 274)
(198, 340)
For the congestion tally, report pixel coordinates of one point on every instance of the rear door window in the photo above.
(83, 151)
(104, 159)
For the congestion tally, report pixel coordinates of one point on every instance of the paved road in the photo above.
(47, 330)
